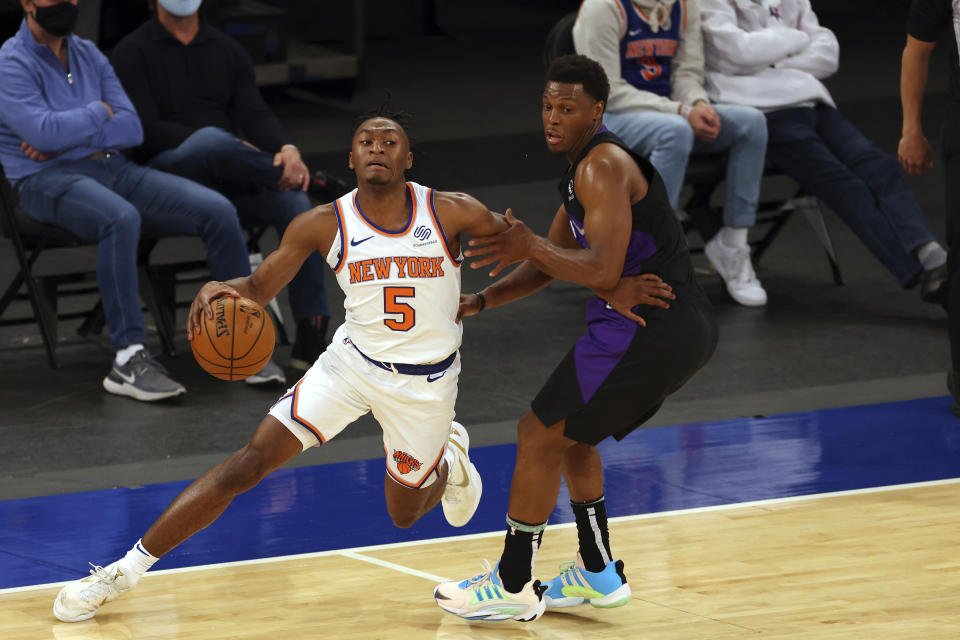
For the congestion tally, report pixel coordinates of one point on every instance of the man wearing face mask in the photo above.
(63, 119)
(204, 119)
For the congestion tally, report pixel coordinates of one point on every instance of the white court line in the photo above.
(394, 566)
(499, 532)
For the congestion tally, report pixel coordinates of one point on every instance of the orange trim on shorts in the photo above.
(343, 237)
(301, 421)
(381, 230)
(443, 236)
(684, 7)
(425, 475)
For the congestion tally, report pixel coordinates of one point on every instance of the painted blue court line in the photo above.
(340, 506)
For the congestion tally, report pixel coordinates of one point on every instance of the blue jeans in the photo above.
(828, 156)
(217, 159)
(668, 140)
(113, 201)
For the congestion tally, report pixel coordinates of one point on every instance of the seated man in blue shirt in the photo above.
(63, 118)
(204, 119)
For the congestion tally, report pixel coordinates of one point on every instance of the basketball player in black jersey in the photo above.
(613, 232)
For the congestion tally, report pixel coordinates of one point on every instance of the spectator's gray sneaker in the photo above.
(142, 378)
(271, 374)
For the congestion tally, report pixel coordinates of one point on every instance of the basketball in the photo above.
(236, 342)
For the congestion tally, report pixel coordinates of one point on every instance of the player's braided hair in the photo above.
(389, 110)
(578, 69)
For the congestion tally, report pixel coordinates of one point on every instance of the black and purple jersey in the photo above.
(657, 243)
(618, 373)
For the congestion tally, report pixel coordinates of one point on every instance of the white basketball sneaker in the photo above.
(80, 599)
(734, 266)
(464, 487)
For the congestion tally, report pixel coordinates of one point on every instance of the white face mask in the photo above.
(180, 8)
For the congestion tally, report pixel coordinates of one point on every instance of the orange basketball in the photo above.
(236, 342)
(403, 467)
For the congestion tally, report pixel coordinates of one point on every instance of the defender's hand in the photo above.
(514, 244)
(201, 304)
(469, 305)
(646, 289)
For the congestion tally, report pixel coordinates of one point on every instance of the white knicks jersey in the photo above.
(402, 287)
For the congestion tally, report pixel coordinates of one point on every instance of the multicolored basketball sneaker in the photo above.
(483, 597)
(575, 585)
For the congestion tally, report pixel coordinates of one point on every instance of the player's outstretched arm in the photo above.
(461, 213)
(604, 189)
(311, 231)
(522, 281)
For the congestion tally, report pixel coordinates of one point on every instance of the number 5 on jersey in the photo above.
(392, 305)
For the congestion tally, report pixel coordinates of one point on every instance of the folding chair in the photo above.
(30, 239)
(706, 173)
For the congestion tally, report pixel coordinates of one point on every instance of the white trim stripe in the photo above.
(499, 532)
(392, 565)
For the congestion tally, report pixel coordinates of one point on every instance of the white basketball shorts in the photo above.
(414, 411)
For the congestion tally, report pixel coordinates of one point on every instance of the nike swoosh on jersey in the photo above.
(354, 243)
(433, 377)
(634, 32)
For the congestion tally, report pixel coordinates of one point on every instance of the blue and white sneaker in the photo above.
(575, 586)
(483, 597)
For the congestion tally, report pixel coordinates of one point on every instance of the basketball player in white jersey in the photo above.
(395, 247)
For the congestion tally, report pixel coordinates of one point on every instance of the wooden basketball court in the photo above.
(875, 563)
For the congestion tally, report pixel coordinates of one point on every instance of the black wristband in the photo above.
(483, 301)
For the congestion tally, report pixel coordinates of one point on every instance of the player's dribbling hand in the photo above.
(645, 289)
(201, 304)
(514, 244)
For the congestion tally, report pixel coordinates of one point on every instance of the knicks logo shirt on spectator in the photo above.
(649, 44)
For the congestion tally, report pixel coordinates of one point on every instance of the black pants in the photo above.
(950, 145)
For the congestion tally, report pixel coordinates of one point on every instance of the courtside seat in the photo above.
(30, 239)
(706, 173)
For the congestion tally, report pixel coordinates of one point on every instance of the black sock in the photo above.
(593, 534)
(519, 551)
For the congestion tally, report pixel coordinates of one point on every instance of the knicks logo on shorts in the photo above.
(405, 462)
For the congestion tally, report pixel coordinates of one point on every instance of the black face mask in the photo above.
(58, 19)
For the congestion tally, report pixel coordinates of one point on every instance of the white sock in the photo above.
(136, 563)
(123, 355)
(931, 256)
(454, 468)
(733, 237)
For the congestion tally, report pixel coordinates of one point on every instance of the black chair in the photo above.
(30, 239)
(163, 280)
(706, 173)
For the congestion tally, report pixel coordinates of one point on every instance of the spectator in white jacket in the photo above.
(772, 54)
(652, 51)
